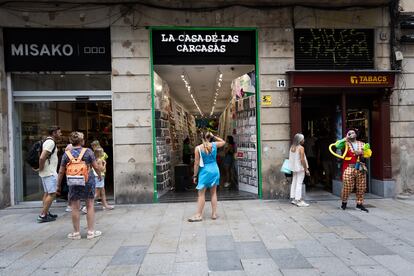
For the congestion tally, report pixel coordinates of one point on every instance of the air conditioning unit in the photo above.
(407, 38)
(407, 24)
(406, 21)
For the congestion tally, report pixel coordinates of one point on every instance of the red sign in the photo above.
(342, 79)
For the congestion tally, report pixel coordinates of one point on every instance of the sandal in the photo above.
(74, 236)
(93, 234)
(109, 207)
(214, 217)
(195, 219)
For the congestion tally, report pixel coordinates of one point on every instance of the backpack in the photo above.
(35, 151)
(77, 171)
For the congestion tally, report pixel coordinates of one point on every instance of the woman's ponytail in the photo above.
(205, 137)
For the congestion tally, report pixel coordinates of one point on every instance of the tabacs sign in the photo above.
(57, 49)
(188, 47)
(368, 79)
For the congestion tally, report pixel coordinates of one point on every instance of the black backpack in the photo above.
(34, 153)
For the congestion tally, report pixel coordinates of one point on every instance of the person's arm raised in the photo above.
(219, 142)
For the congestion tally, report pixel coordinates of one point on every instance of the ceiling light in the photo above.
(184, 77)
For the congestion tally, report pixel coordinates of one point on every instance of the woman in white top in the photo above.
(299, 166)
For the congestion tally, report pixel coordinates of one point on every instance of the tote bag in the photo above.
(285, 167)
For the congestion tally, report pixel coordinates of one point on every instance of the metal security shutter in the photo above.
(334, 49)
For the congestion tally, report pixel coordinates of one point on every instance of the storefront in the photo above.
(56, 77)
(205, 79)
(130, 82)
(324, 103)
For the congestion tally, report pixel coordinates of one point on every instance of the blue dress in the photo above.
(209, 175)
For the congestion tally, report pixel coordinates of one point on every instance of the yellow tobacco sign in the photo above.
(361, 79)
(266, 100)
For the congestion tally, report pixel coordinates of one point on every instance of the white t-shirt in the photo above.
(50, 167)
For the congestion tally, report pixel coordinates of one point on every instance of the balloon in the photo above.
(337, 155)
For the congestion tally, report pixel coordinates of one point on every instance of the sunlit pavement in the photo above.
(251, 237)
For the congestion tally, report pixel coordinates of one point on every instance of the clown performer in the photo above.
(353, 169)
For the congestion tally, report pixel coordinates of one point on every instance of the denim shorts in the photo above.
(49, 184)
(82, 192)
(99, 184)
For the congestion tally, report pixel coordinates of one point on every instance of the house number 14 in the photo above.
(281, 83)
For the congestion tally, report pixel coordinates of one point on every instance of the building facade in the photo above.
(402, 106)
(125, 83)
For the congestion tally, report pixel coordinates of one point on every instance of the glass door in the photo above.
(94, 119)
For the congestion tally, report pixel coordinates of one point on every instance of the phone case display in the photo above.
(227, 124)
(163, 140)
(247, 143)
(192, 130)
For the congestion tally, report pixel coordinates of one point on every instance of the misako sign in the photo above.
(203, 47)
(57, 49)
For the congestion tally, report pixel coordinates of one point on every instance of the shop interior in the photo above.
(322, 118)
(93, 118)
(218, 98)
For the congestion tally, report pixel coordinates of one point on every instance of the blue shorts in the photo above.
(49, 184)
(99, 184)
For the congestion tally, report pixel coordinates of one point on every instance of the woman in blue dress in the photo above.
(206, 173)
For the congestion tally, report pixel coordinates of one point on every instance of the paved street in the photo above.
(249, 238)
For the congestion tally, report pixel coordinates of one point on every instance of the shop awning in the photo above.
(341, 79)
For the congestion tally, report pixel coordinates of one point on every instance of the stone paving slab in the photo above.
(370, 247)
(157, 264)
(396, 264)
(129, 255)
(124, 270)
(262, 267)
(65, 258)
(251, 250)
(312, 248)
(191, 268)
(220, 243)
(289, 258)
(371, 270)
(90, 265)
(54, 271)
(223, 260)
(300, 272)
(331, 266)
(249, 238)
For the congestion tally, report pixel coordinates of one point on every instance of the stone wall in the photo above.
(131, 76)
(131, 105)
(402, 124)
(402, 116)
(4, 139)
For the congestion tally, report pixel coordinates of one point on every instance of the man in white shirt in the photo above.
(48, 163)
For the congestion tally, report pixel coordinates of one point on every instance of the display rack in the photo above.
(163, 159)
(246, 139)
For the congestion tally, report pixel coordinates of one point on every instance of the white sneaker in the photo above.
(302, 203)
(84, 210)
(294, 201)
(68, 209)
